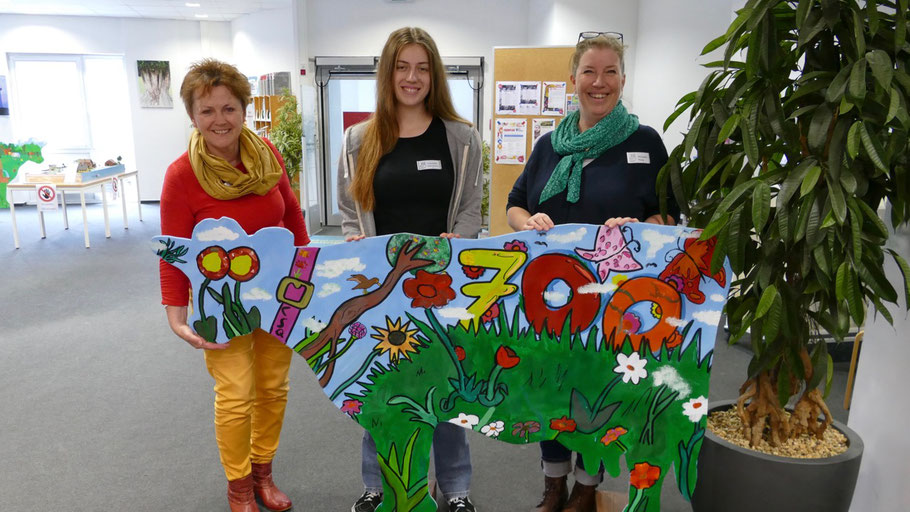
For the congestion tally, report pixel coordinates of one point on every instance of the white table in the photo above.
(62, 188)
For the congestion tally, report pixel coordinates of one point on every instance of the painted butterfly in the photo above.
(611, 252)
(685, 271)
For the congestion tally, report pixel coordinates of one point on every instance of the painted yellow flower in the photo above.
(397, 340)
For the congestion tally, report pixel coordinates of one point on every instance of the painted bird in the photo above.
(363, 282)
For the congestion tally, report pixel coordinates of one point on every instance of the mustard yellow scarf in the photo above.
(222, 180)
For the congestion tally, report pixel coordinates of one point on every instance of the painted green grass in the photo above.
(560, 389)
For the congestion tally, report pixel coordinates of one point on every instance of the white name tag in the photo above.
(638, 158)
(425, 165)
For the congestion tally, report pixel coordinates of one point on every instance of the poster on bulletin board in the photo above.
(510, 139)
(554, 99)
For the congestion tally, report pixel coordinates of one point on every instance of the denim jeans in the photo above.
(556, 461)
(451, 454)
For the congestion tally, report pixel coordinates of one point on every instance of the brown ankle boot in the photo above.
(583, 499)
(271, 496)
(240, 495)
(555, 494)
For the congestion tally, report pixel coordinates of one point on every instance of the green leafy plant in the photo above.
(795, 139)
(485, 201)
(288, 133)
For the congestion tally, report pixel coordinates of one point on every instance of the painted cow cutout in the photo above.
(520, 337)
(12, 156)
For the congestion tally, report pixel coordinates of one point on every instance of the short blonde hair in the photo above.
(209, 73)
(601, 41)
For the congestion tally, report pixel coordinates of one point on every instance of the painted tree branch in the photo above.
(350, 310)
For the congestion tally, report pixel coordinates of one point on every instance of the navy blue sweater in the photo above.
(611, 186)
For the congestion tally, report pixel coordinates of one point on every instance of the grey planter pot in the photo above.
(734, 478)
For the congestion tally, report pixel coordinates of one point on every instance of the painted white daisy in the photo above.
(632, 367)
(465, 420)
(696, 409)
(493, 429)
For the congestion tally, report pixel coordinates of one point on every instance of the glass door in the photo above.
(347, 95)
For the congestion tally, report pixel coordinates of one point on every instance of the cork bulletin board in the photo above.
(522, 64)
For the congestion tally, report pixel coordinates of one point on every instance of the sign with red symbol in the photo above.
(47, 197)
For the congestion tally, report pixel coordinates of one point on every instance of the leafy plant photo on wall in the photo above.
(154, 84)
(4, 97)
(796, 138)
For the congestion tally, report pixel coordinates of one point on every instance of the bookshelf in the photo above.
(264, 114)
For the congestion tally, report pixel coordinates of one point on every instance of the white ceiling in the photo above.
(217, 10)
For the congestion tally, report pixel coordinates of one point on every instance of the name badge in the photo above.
(425, 165)
(638, 158)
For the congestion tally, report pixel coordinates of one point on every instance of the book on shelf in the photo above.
(271, 84)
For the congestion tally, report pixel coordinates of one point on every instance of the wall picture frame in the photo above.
(154, 84)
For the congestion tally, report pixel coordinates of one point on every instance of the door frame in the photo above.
(352, 68)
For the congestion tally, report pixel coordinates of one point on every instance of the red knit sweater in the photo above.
(184, 203)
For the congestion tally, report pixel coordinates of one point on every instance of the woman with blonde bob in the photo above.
(229, 171)
(414, 166)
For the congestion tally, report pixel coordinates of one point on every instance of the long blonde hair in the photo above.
(381, 131)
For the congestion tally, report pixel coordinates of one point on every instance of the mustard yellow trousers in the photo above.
(251, 392)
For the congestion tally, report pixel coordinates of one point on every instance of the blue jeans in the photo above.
(556, 461)
(451, 454)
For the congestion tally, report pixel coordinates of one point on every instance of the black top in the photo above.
(619, 183)
(413, 184)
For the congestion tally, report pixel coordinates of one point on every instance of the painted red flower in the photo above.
(244, 264)
(613, 435)
(563, 424)
(644, 475)
(515, 245)
(351, 406)
(459, 352)
(472, 272)
(491, 314)
(213, 262)
(429, 290)
(506, 357)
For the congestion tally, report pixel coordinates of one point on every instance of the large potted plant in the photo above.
(795, 138)
(287, 135)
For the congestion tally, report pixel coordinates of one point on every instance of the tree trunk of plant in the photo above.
(295, 186)
(764, 411)
(809, 407)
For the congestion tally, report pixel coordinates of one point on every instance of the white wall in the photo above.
(264, 42)
(472, 28)
(160, 135)
(880, 410)
(558, 23)
(671, 35)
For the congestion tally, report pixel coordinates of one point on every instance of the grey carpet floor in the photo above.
(103, 408)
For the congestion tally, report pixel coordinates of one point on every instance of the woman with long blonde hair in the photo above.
(414, 166)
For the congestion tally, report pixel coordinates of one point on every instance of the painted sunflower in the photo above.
(397, 340)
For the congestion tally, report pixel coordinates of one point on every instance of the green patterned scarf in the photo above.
(575, 147)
